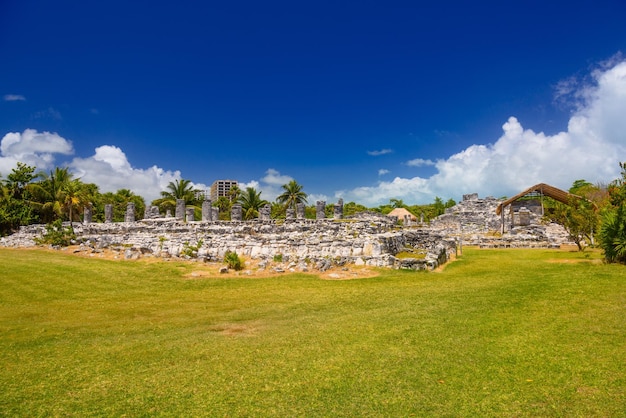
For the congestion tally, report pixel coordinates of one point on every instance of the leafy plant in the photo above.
(613, 235)
(58, 235)
(233, 261)
(191, 250)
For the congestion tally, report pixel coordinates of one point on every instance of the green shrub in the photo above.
(233, 261)
(613, 235)
(190, 250)
(57, 235)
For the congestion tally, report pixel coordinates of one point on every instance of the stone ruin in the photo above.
(367, 238)
(474, 221)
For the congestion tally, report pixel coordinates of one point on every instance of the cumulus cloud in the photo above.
(383, 171)
(33, 148)
(14, 98)
(591, 148)
(110, 169)
(379, 152)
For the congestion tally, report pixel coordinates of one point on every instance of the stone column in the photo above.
(206, 210)
(265, 213)
(300, 211)
(130, 212)
(338, 209)
(290, 214)
(108, 213)
(236, 213)
(190, 214)
(320, 206)
(180, 210)
(215, 214)
(87, 214)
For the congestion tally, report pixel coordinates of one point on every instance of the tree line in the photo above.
(28, 196)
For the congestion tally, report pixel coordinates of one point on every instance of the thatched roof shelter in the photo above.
(543, 190)
(538, 190)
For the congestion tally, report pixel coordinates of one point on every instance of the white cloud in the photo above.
(14, 98)
(270, 185)
(110, 170)
(591, 148)
(32, 148)
(383, 171)
(379, 152)
(420, 162)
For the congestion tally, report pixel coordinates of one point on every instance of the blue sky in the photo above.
(363, 100)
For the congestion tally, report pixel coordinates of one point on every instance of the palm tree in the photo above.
(73, 195)
(251, 202)
(48, 193)
(233, 193)
(178, 189)
(292, 195)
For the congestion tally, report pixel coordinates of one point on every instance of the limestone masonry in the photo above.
(365, 239)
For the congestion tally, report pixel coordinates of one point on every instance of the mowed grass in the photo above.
(519, 333)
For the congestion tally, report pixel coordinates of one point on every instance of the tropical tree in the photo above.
(73, 196)
(351, 208)
(251, 202)
(613, 230)
(15, 200)
(233, 193)
(224, 205)
(119, 200)
(292, 195)
(47, 193)
(579, 218)
(178, 189)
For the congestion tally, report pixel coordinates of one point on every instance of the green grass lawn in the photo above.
(519, 333)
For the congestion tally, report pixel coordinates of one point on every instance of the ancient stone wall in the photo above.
(367, 238)
(312, 242)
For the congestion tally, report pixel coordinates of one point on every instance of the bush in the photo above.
(233, 261)
(57, 235)
(613, 235)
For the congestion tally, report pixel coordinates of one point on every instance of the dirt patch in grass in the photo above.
(252, 270)
(575, 261)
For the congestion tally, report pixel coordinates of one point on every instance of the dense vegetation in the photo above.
(515, 333)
